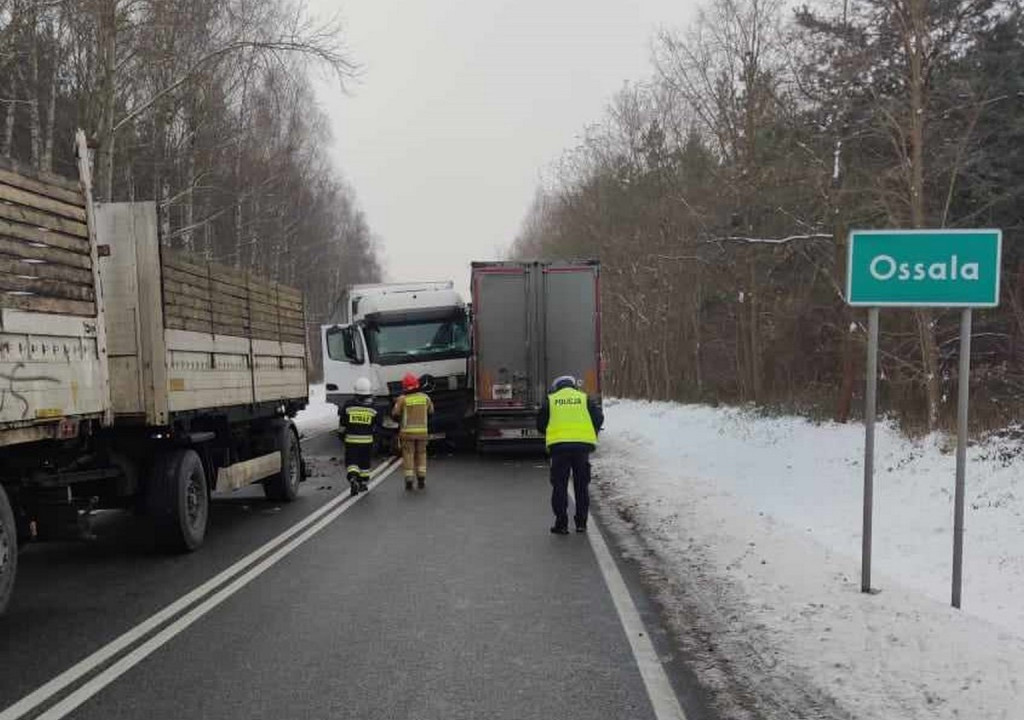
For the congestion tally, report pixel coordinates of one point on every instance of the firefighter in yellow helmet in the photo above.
(413, 409)
(570, 422)
(360, 423)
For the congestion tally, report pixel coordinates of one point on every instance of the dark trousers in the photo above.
(357, 460)
(566, 460)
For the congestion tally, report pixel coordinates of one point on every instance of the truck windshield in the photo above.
(417, 342)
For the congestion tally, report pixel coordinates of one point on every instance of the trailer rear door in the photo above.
(501, 323)
(572, 324)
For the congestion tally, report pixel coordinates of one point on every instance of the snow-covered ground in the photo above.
(752, 527)
(319, 415)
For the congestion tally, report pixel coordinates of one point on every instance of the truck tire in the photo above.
(284, 487)
(178, 500)
(8, 551)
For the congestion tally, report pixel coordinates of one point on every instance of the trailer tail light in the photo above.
(67, 429)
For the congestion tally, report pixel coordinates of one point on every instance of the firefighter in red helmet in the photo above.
(413, 409)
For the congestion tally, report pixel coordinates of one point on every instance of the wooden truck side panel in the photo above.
(50, 370)
(53, 370)
(280, 370)
(191, 335)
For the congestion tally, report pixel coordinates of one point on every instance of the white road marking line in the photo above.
(659, 689)
(140, 653)
(84, 667)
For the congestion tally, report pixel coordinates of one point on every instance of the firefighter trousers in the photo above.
(358, 457)
(414, 457)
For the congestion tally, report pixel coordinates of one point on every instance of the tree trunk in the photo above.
(930, 362)
(107, 24)
(845, 404)
(742, 374)
(849, 346)
(8, 140)
(755, 335)
(666, 366)
(10, 71)
(255, 247)
(159, 155)
(189, 211)
(165, 214)
(239, 233)
(695, 318)
(51, 114)
(926, 331)
(35, 127)
(51, 99)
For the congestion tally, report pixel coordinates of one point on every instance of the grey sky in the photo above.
(463, 104)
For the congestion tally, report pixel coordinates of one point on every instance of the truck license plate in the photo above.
(522, 433)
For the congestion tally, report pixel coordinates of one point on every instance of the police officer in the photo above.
(570, 422)
(359, 421)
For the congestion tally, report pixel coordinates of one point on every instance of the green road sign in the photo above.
(915, 268)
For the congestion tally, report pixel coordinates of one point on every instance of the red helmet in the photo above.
(410, 382)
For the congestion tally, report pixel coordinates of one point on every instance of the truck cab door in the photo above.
(345, 361)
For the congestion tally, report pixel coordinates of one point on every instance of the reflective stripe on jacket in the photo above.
(359, 424)
(413, 410)
(570, 420)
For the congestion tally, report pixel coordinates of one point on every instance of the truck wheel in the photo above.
(284, 487)
(8, 551)
(177, 500)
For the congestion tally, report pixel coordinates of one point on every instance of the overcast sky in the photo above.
(462, 105)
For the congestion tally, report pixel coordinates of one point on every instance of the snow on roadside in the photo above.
(319, 416)
(758, 521)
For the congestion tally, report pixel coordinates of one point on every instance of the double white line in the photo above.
(274, 550)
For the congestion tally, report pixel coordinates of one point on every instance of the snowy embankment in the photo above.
(752, 527)
(319, 415)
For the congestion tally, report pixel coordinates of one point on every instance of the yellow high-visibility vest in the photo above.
(569, 421)
(414, 414)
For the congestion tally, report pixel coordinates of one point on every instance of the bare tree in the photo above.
(718, 196)
(207, 108)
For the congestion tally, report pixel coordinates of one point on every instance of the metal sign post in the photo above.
(921, 268)
(961, 453)
(870, 405)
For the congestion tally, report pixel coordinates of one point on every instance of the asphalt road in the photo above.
(453, 602)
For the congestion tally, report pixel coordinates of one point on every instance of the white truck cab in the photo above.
(398, 328)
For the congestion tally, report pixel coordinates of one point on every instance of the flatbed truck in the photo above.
(132, 376)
